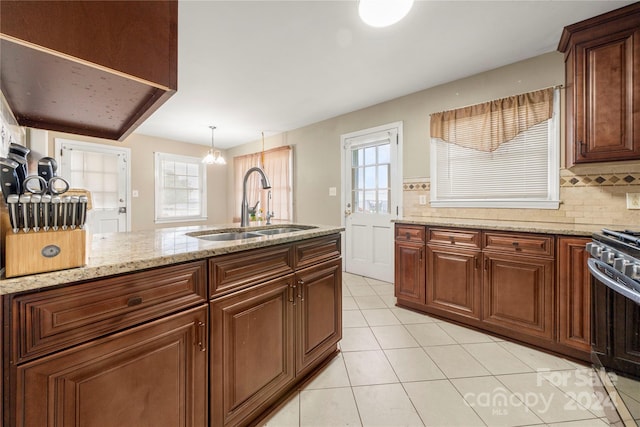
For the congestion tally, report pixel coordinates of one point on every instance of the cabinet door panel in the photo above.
(252, 353)
(605, 125)
(574, 294)
(454, 281)
(319, 312)
(410, 272)
(151, 375)
(518, 294)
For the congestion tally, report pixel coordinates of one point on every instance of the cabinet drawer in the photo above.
(455, 237)
(410, 233)
(51, 320)
(519, 243)
(238, 270)
(313, 251)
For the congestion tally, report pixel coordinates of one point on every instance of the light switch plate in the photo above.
(423, 200)
(332, 191)
(134, 193)
(633, 200)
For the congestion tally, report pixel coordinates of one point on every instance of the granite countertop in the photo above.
(502, 225)
(116, 253)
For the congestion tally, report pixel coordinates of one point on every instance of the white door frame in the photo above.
(395, 189)
(105, 147)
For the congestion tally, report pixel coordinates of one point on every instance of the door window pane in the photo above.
(372, 175)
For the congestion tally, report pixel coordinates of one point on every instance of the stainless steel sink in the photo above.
(225, 237)
(270, 231)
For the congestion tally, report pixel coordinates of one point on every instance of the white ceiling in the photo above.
(272, 66)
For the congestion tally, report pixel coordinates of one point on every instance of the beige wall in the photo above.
(142, 176)
(317, 154)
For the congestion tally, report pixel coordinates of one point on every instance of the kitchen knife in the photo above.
(46, 214)
(47, 167)
(22, 168)
(35, 211)
(9, 177)
(82, 211)
(73, 214)
(18, 149)
(66, 201)
(13, 201)
(24, 201)
(55, 211)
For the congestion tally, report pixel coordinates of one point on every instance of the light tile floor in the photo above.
(401, 368)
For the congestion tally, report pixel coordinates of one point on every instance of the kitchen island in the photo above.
(163, 327)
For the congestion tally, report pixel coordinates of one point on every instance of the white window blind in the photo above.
(521, 173)
(180, 188)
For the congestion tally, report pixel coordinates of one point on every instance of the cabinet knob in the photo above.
(134, 301)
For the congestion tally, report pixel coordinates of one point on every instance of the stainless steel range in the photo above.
(615, 326)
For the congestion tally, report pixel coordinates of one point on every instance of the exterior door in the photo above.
(104, 171)
(371, 189)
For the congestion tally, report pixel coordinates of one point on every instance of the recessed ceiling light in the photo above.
(382, 13)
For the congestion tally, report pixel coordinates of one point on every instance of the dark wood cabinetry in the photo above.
(96, 68)
(453, 272)
(150, 375)
(410, 264)
(574, 294)
(501, 282)
(269, 336)
(518, 295)
(602, 60)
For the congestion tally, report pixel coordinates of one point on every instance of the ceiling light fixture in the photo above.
(382, 13)
(213, 156)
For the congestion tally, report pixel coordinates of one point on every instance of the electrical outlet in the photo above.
(134, 193)
(332, 191)
(633, 200)
(423, 200)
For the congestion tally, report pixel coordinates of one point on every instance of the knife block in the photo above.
(42, 251)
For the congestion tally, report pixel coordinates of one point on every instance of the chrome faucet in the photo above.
(244, 214)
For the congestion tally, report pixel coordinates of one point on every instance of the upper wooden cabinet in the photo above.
(602, 66)
(96, 68)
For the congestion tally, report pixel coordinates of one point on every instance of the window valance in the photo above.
(486, 126)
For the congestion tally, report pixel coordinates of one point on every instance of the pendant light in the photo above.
(214, 156)
(382, 13)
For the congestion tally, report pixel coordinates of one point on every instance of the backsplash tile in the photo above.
(594, 194)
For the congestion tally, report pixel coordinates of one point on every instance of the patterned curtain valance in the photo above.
(486, 126)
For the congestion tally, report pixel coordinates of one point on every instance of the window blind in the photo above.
(522, 172)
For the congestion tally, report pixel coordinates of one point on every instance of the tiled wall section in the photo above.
(594, 194)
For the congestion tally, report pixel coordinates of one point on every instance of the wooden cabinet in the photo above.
(410, 263)
(518, 295)
(96, 68)
(453, 271)
(531, 287)
(150, 375)
(252, 350)
(267, 337)
(318, 312)
(602, 66)
(574, 293)
(132, 346)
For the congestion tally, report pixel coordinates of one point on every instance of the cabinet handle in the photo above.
(134, 301)
(301, 290)
(582, 147)
(486, 264)
(452, 239)
(477, 261)
(515, 243)
(420, 254)
(408, 235)
(293, 292)
(200, 334)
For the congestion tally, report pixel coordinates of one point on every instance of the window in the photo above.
(180, 188)
(278, 167)
(370, 175)
(489, 164)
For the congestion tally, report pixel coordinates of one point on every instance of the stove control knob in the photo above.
(608, 257)
(620, 264)
(594, 249)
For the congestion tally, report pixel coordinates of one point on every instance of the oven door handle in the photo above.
(619, 282)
